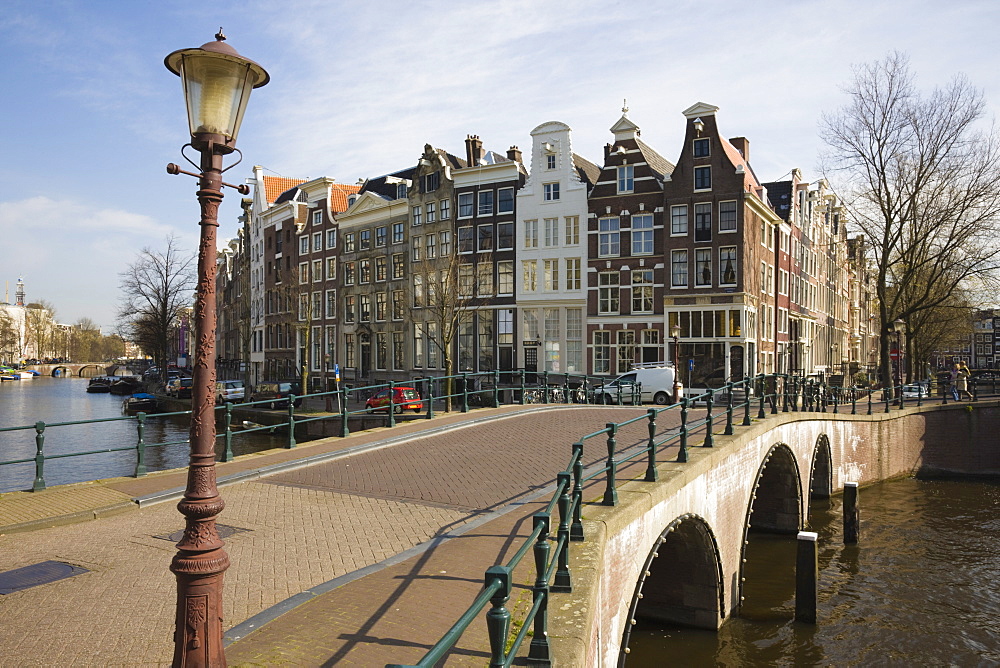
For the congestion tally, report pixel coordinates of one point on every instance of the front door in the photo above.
(530, 364)
(366, 355)
(506, 364)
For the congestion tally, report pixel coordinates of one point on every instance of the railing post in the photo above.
(709, 438)
(522, 386)
(902, 404)
(566, 389)
(563, 581)
(39, 483)
(682, 453)
(869, 400)
(886, 395)
(746, 403)
(496, 388)
(430, 398)
(227, 453)
(854, 401)
(140, 445)
(652, 475)
(835, 400)
(344, 430)
(763, 390)
(538, 650)
(784, 392)
(392, 406)
(465, 392)
(576, 530)
(944, 394)
(728, 431)
(498, 617)
(291, 421)
(610, 493)
(774, 400)
(545, 386)
(920, 395)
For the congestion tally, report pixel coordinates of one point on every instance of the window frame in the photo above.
(550, 191)
(702, 178)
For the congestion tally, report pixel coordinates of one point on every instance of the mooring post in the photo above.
(852, 522)
(806, 577)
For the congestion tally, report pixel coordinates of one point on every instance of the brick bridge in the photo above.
(81, 369)
(673, 550)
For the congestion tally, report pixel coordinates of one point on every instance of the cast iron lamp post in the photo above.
(898, 326)
(675, 332)
(217, 83)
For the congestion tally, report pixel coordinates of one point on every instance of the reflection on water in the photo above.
(66, 399)
(920, 588)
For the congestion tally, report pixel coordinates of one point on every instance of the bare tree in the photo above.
(920, 179)
(10, 337)
(154, 290)
(39, 328)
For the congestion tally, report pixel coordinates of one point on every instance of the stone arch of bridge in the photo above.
(96, 371)
(60, 370)
(821, 474)
(681, 581)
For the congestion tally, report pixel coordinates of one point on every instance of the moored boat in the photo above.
(100, 384)
(140, 402)
(125, 385)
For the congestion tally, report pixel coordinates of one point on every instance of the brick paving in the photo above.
(303, 528)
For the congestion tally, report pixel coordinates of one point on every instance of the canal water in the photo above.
(26, 402)
(919, 590)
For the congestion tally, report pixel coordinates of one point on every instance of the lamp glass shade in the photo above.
(216, 89)
(675, 331)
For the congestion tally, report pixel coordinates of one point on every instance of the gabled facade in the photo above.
(551, 245)
(625, 238)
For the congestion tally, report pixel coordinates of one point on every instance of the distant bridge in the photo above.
(80, 369)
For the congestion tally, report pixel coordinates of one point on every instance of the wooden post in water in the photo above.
(806, 577)
(852, 522)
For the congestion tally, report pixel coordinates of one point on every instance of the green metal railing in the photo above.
(771, 394)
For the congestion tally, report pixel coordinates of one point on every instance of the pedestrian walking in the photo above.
(962, 381)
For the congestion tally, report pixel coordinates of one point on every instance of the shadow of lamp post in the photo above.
(217, 83)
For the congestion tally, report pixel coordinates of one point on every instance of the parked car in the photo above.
(227, 391)
(403, 398)
(914, 391)
(657, 386)
(277, 391)
(179, 388)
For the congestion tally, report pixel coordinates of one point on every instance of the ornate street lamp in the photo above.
(899, 326)
(217, 84)
(675, 332)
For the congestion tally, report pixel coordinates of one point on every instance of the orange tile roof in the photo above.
(275, 185)
(338, 196)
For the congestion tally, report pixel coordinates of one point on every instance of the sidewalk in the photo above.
(343, 550)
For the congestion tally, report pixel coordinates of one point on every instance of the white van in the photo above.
(657, 381)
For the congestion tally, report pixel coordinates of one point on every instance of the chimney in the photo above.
(607, 151)
(473, 150)
(742, 144)
(514, 153)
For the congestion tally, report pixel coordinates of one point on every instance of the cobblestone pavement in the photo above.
(299, 529)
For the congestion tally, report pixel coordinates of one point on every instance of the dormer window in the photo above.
(550, 161)
(702, 147)
(432, 182)
(351, 199)
(626, 182)
(317, 217)
(401, 191)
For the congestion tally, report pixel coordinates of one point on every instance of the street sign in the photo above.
(690, 365)
(336, 372)
(894, 354)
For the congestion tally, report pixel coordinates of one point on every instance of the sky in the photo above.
(89, 115)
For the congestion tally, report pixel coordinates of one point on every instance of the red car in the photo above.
(403, 398)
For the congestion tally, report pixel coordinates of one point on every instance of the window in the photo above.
(381, 350)
(380, 306)
(316, 310)
(415, 245)
(505, 200)
(678, 220)
(381, 236)
(331, 269)
(397, 351)
(530, 318)
(466, 243)
(364, 308)
(529, 275)
(445, 237)
(703, 266)
(551, 231)
(727, 265)
(607, 292)
(431, 246)
(608, 237)
(626, 350)
(626, 183)
(317, 217)
(303, 245)
(349, 275)
(574, 340)
(397, 233)
(485, 237)
(365, 240)
(432, 182)
(331, 239)
(465, 280)
(317, 271)
(431, 212)
(531, 234)
(303, 273)
(484, 279)
(551, 274)
(465, 205)
(572, 230)
(318, 241)
(703, 222)
(349, 242)
(642, 291)
(417, 215)
(602, 351)
(679, 269)
(418, 290)
(418, 344)
(702, 148)
(432, 344)
(445, 209)
(572, 273)
(505, 236)
(553, 328)
(380, 268)
(349, 302)
(642, 234)
(702, 178)
(550, 161)
(727, 216)
(550, 191)
(365, 271)
(505, 277)
(331, 304)
(505, 326)
(398, 305)
(349, 350)
(485, 203)
(400, 191)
